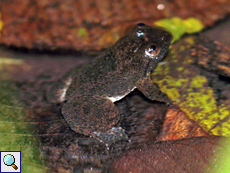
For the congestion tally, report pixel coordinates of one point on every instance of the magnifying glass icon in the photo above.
(9, 160)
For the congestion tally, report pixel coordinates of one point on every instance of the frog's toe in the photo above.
(87, 114)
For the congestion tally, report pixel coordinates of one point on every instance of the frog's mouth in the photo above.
(153, 61)
(146, 71)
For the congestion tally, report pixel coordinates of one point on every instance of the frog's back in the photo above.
(57, 92)
(117, 70)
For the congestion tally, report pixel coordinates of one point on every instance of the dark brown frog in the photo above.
(91, 90)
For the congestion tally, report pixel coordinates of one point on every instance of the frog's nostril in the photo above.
(141, 24)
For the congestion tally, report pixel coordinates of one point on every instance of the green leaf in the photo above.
(82, 32)
(193, 25)
(17, 131)
(220, 163)
(178, 27)
(189, 90)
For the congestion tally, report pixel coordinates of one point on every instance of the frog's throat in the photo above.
(147, 67)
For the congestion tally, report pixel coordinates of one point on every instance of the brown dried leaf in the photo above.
(212, 56)
(85, 25)
(177, 125)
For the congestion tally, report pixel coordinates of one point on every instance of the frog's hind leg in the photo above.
(87, 114)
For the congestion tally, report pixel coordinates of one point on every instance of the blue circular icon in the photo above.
(8, 159)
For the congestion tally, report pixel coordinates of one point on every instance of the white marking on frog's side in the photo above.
(63, 91)
(116, 98)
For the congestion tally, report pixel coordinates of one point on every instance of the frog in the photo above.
(88, 92)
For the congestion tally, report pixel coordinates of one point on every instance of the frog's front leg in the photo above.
(95, 116)
(151, 90)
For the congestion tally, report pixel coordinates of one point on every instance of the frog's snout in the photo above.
(168, 37)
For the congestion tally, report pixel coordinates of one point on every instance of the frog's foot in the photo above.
(111, 136)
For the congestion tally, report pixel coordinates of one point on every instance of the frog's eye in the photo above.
(153, 47)
(152, 51)
(141, 24)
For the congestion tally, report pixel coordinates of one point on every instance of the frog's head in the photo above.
(145, 46)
